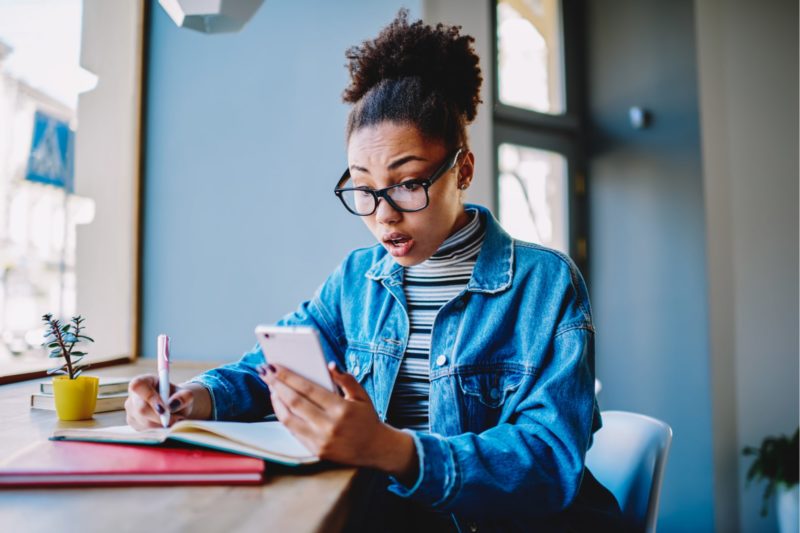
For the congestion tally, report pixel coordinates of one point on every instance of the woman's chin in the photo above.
(408, 261)
(409, 258)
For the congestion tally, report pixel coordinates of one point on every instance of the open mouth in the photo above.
(398, 244)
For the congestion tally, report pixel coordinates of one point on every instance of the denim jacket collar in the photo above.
(493, 271)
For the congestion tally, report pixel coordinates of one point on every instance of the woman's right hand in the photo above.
(144, 404)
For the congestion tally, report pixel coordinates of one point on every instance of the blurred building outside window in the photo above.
(40, 79)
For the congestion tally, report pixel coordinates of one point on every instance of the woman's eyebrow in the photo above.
(393, 165)
(403, 160)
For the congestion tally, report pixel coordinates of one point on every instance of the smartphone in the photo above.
(298, 349)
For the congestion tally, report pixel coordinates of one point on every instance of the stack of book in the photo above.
(188, 452)
(111, 395)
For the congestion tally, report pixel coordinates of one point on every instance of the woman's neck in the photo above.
(461, 220)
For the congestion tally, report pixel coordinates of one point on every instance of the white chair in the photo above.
(628, 457)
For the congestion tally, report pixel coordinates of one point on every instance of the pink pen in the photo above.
(163, 376)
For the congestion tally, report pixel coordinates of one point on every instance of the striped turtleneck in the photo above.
(428, 286)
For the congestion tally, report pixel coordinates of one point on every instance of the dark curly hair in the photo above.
(415, 74)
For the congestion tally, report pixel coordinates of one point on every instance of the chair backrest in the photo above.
(627, 456)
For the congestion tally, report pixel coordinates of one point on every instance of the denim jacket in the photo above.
(512, 405)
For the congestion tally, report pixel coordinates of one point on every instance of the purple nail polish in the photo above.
(272, 368)
(174, 405)
(160, 409)
(261, 370)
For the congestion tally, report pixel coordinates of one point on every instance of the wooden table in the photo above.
(290, 500)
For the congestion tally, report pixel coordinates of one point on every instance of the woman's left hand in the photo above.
(345, 429)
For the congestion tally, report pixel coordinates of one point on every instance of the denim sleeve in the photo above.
(531, 465)
(237, 392)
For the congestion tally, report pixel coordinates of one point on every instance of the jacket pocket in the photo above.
(359, 363)
(484, 394)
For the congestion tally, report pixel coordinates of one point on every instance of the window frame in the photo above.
(564, 133)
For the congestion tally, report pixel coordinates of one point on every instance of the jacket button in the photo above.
(494, 393)
(441, 360)
(353, 358)
(356, 370)
(472, 526)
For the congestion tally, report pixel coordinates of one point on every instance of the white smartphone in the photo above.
(298, 349)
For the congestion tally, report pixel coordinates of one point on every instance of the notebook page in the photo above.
(269, 440)
(125, 434)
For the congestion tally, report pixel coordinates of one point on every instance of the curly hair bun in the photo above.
(442, 58)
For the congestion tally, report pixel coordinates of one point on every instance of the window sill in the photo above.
(15, 370)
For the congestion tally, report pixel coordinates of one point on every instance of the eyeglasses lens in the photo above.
(359, 202)
(410, 197)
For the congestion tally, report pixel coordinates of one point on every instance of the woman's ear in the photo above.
(466, 170)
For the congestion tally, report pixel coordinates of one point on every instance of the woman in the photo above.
(469, 355)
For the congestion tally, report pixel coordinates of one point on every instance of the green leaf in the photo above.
(65, 328)
(86, 338)
(77, 373)
(53, 344)
(56, 371)
(78, 354)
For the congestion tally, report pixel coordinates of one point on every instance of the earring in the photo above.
(463, 186)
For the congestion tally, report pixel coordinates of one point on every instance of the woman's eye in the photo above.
(411, 186)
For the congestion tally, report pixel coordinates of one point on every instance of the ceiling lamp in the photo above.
(211, 16)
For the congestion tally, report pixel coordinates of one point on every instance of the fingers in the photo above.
(146, 388)
(297, 403)
(139, 414)
(350, 386)
(180, 405)
(315, 393)
(294, 424)
(144, 405)
(181, 402)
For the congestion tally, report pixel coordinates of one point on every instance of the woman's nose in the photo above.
(385, 213)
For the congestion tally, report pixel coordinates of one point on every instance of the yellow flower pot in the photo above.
(75, 398)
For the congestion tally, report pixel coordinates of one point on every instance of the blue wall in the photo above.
(648, 263)
(244, 144)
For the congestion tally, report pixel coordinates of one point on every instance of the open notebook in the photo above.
(265, 440)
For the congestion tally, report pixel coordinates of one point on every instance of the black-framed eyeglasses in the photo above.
(408, 196)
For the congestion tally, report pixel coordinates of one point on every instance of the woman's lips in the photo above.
(398, 244)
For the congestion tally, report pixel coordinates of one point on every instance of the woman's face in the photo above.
(388, 153)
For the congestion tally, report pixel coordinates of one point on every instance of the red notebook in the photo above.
(90, 463)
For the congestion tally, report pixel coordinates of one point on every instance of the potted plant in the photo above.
(776, 461)
(75, 395)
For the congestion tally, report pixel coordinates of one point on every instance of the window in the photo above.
(537, 129)
(533, 200)
(68, 174)
(529, 59)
